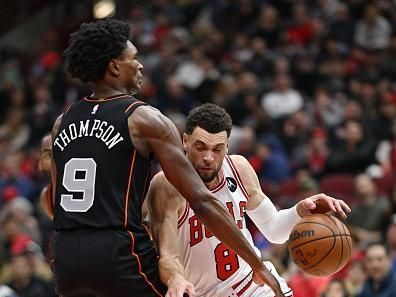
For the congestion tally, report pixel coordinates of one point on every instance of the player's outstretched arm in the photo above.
(165, 205)
(276, 225)
(152, 131)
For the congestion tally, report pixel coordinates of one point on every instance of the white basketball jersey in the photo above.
(209, 264)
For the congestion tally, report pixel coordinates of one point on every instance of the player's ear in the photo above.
(113, 67)
(185, 141)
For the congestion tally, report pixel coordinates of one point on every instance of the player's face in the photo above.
(206, 152)
(44, 163)
(130, 69)
(377, 262)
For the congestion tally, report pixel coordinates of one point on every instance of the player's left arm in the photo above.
(277, 225)
(164, 205)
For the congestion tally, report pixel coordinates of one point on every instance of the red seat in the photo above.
(289, 193)
(340, 186)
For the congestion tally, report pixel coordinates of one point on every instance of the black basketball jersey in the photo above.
(101, 179)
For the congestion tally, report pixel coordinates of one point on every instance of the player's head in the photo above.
(44, 162)
(100, 52)
(205, 140)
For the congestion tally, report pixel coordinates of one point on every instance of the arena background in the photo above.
(310, 86)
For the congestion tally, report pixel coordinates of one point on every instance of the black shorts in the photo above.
(107, 263)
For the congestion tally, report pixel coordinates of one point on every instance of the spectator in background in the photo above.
(42, 114)
(269, 160)
(353, 151)
(381, 279)
(283, 100)
(240, 105)
(391, 241)
(342, 26)
(315, 153)
(15, 129)
(304, 285)
(6, 291)
(21, 211)
(369, 217)
(242, 141)
(336, 288)
(386, 153)
(356, 276)
(268, 26)
(12, 177)
(295, 135)
(373, 31)
(24, 282)
(326, 111)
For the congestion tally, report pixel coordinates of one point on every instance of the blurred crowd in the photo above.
(310, 86)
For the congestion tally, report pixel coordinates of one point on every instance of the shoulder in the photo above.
(148, 120)
(240, 162)
(246, 173)
(163, 196)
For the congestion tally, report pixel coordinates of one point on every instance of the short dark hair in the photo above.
(210, 117)
(93, 46)
(378, 243)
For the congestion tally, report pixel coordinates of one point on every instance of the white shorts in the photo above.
(248, 288)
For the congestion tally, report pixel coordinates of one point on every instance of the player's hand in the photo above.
(263, 276)
(178, 286)
(322, 203)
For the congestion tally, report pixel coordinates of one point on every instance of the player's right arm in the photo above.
(151, 131)
(165, 206)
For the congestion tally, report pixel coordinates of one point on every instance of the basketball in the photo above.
(320, 244)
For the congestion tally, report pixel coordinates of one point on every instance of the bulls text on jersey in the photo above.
(198, 230)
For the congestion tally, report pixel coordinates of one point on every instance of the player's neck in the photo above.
(215, 182)
(104, 91)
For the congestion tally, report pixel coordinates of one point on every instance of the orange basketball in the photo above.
(320, 244)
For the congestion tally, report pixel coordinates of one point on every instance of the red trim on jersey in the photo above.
(147, 230)
(90, 99)
(240, 293)
(132, 105)
(236, 175)
(50, 199)
(184, 216)
(234, 286)
(245, 287)
(222, 183)
(129, 186)
(140, 266)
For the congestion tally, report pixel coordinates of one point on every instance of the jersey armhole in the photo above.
(132, 107)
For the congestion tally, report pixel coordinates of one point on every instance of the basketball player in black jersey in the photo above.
(102, 150)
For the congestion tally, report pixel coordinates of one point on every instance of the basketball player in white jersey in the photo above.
(192, 260)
